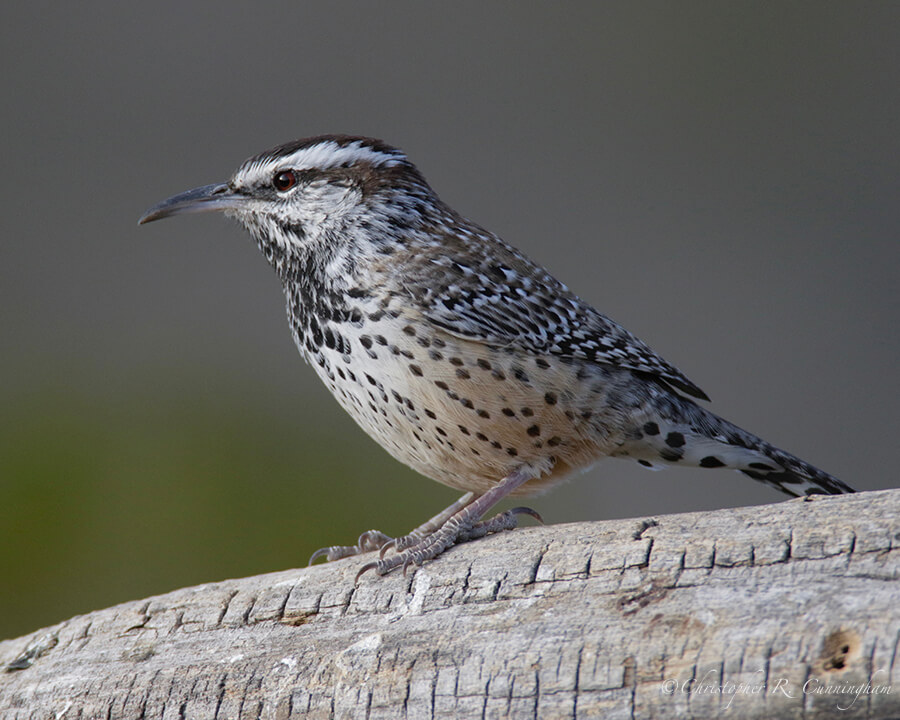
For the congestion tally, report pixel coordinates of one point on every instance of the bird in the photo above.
(459, 355)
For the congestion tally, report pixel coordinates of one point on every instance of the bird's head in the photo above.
(313, 194)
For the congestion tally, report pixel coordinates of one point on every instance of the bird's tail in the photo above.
(683, 433)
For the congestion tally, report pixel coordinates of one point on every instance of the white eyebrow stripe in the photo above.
(328, 154)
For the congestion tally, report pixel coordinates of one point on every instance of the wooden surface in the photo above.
(722, 614)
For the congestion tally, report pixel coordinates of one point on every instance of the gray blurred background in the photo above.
(721, 178)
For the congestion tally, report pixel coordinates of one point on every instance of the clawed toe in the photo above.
(364, 569)
(387, 546)
(528, 511)
(367, 542)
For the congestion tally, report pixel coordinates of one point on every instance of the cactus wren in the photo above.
(459, 355)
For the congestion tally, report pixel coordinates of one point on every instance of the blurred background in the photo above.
(722, 179)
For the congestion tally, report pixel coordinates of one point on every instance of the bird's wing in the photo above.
(489, 292)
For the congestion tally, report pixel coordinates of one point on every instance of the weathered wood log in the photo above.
(783, 610)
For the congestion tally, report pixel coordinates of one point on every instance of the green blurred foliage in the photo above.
(111, 497)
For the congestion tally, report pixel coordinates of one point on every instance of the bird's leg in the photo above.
(460, 526)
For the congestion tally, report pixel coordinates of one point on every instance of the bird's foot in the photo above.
(376, 540)
(416, 548)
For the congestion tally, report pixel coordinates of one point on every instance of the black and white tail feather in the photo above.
(699, 438)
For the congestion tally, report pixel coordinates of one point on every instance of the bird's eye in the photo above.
(284, 180)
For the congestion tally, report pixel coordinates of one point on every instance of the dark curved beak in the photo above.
(208, 198)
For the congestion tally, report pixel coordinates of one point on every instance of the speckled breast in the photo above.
(460, 412)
